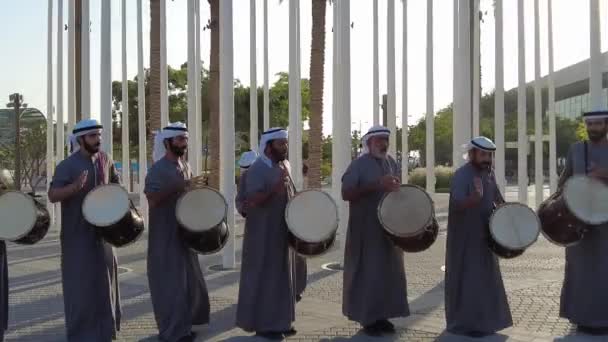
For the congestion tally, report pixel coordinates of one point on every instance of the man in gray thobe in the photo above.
(267, 290)
(584, 298)
(374, 275)
(88, 265)
(475, 300)
(177, 287)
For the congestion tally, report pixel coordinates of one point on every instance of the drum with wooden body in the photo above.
(566, 216)
(201, 213)
(408, 216)
(312, 222)
(23, 219)
(112, 214)
(513, 228)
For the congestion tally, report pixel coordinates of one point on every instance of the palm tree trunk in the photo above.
(214, 96)
(154, 95)
(317, 60)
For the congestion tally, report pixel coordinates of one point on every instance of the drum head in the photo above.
(199, 210)
(105, 205)
(18, 213)
(514, 226)
(587, 199)
(407, 212)
(312, 216)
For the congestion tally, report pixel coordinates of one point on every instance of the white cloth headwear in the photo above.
(272, 134)
(375, 131)
(173, 130)
(480, 143)
(247, 159)
(82, 128)
(596, 114)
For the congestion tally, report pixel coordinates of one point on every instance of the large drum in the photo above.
(113, 216)
(408, 216)
(201, 214)
(312, 222)
(513, 228)
(23, 219)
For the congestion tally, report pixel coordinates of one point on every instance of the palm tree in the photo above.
(317, 60)
(155, 69)
(214, 95)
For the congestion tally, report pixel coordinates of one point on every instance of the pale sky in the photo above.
(23, 26)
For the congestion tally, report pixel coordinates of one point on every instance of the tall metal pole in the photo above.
(49, 105)
(595, 62)
(164, 98)
(141, 113)
(198, 141)
(430, 108)
(522, 137)
(376, 68)
(538, 112)
(85, 61)
(335, 158)
(390, 77)
(59, 141)
(253, 86)
(71, 68)
(105, 79)
(191, 37)
(499, 97)
(344, 115)
(266, 86)
(16, 102)
(404, 111)
(463, 113)
(476, 69)
(227, 123)
(551, 112)
(126, 160)
(293, 86)
(456, 97)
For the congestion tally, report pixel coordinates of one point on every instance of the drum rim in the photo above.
(29, 198)
(538, 223)
(334, 230)
(87, 197)
(181, 197)
(405, 235)
(567, 185)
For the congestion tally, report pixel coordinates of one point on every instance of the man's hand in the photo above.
(80, 183)
(389, 183)
(477, 189)
(279, 186)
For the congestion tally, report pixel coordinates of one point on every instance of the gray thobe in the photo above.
(88, 265)
(374, 274)
(177, 287)
(3, 290)
(240, 194)
(267, 287)
(584, 298)
(475, 297)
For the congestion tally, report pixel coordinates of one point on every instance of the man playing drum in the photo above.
(374, 274)
(177, 287)
(271, 274)
(475, 299)
(584, 300)
(88, 264)
(244, 163)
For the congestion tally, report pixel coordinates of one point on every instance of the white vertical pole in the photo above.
(49, 106)
(141, 114)
(299, 177)
(476, 68)
(253, 87)
(390, 77)
(344, 142)
(430, 108)
(198, 141)
(71, 71)
(164, 98)
(456, 90)
(463, 119)
(335, 158)
(105, 79)
(293, 88)
(551, 112)
(85, 64)
(191, 37)
(227, 124)
(538, 112)
(499, 98)
(404, 111)
(376, 68)
(522, 137)
(126, 160)
(60, 127)
(595, 65)
(266, 89)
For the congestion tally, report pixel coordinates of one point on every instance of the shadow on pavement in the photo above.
(449, 337)
(580, 338)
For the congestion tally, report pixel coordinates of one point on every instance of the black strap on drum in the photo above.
(586, 153)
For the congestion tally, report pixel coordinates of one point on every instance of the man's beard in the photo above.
(92, 149)
(278, 155)
(596, 136)
(178, 151)
(483, 165)
(380, 153)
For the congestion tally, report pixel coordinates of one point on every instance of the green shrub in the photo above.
(443, 177)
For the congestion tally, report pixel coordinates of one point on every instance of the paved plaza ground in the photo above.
(533, 282)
